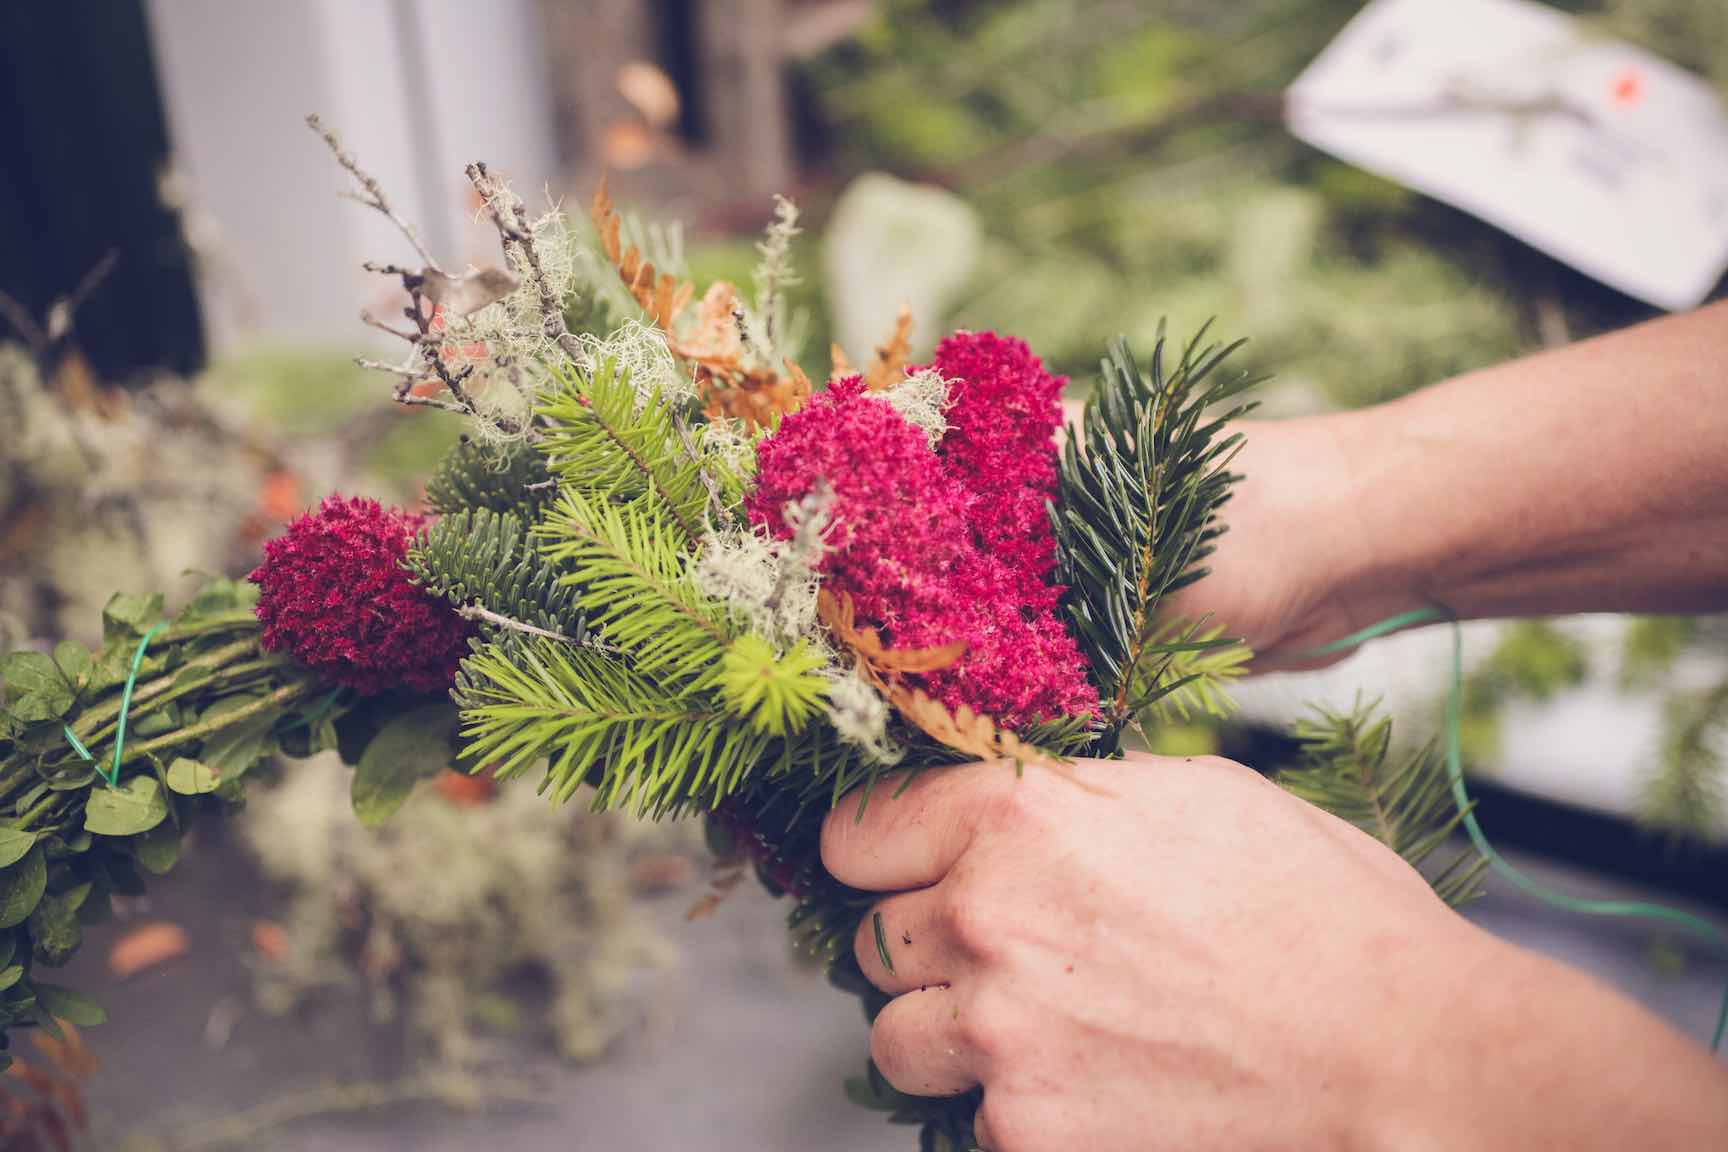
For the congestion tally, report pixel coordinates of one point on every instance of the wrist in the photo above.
(1311, 495)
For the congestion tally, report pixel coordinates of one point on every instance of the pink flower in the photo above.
(926, 558)
(333, 594)
(1001, 443)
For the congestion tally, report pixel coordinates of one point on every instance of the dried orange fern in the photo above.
(889, 366)
(661, 296)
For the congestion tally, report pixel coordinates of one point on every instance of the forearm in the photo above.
(1591, 478)
(1535, 1055)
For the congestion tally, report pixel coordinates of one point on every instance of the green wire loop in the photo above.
(112, 776)
(1617, 909)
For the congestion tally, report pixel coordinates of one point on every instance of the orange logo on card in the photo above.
(1628, 87)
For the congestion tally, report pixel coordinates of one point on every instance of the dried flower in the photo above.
(333, 594)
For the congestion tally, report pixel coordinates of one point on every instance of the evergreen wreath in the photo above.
(681, 580)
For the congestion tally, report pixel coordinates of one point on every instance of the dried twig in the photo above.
(476, 612)
(371, 192)
(516, 234)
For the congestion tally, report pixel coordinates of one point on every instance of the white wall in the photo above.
(416, 87)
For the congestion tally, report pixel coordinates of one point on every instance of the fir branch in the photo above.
(483, 561)
(605, 441)
(1346, 767)
(628, 566)
(509, 477)
(1686, 794)
(596, 719)
(1188, 671)
(1141, 483)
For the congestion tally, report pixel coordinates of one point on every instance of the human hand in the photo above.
(1161, 953)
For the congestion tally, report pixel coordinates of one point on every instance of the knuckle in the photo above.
(1027, 804)
(969, 922)
(983, 1031)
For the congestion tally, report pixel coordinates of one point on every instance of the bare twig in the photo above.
(372, 321)
(19, 317)
(372, 193)
(408, 371)
(476, 612)
(517, 236)
(60, 312)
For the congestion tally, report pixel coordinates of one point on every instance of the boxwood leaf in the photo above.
(413, 745)
(35, 689)
(135, 806)
(14, 842)
(72, 1007)
(191, 777)
(75, 662)
(158, 849)
(21, 888)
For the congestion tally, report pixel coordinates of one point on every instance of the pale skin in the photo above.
(1175, 954)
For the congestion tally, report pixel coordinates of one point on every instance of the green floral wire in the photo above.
(1618, 909)
(112, 776)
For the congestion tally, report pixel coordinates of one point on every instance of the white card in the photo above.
(1600, 154)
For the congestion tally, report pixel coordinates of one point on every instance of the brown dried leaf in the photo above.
(270, 940)
(841, 617)
(461, 790)
(606, 222)
(468, 293)
(755, 396)
(890, 364)
(841, 365)
(146, 946)
(727, 876)
(715, 342)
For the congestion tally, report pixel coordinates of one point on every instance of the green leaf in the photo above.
(35, 689)
(10, 975)
(8, 947)
(72, 1007)
(14, 842)
(158, 849)
(127, 615)
(231, 753)
(54, 925)
(21, 888)
(75, 663)
(410, 747)
(191, 777)
(156, 723)
(220, 596)
(136, 806)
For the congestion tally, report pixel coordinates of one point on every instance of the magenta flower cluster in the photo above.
(948, 544)
(334, 595)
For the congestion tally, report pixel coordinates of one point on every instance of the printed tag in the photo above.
(1600, 154)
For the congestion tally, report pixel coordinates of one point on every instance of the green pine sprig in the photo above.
(629, 567)
(597, 720)
(606, 441)
(478, 558)
(1348, 767)
(1141, 483)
